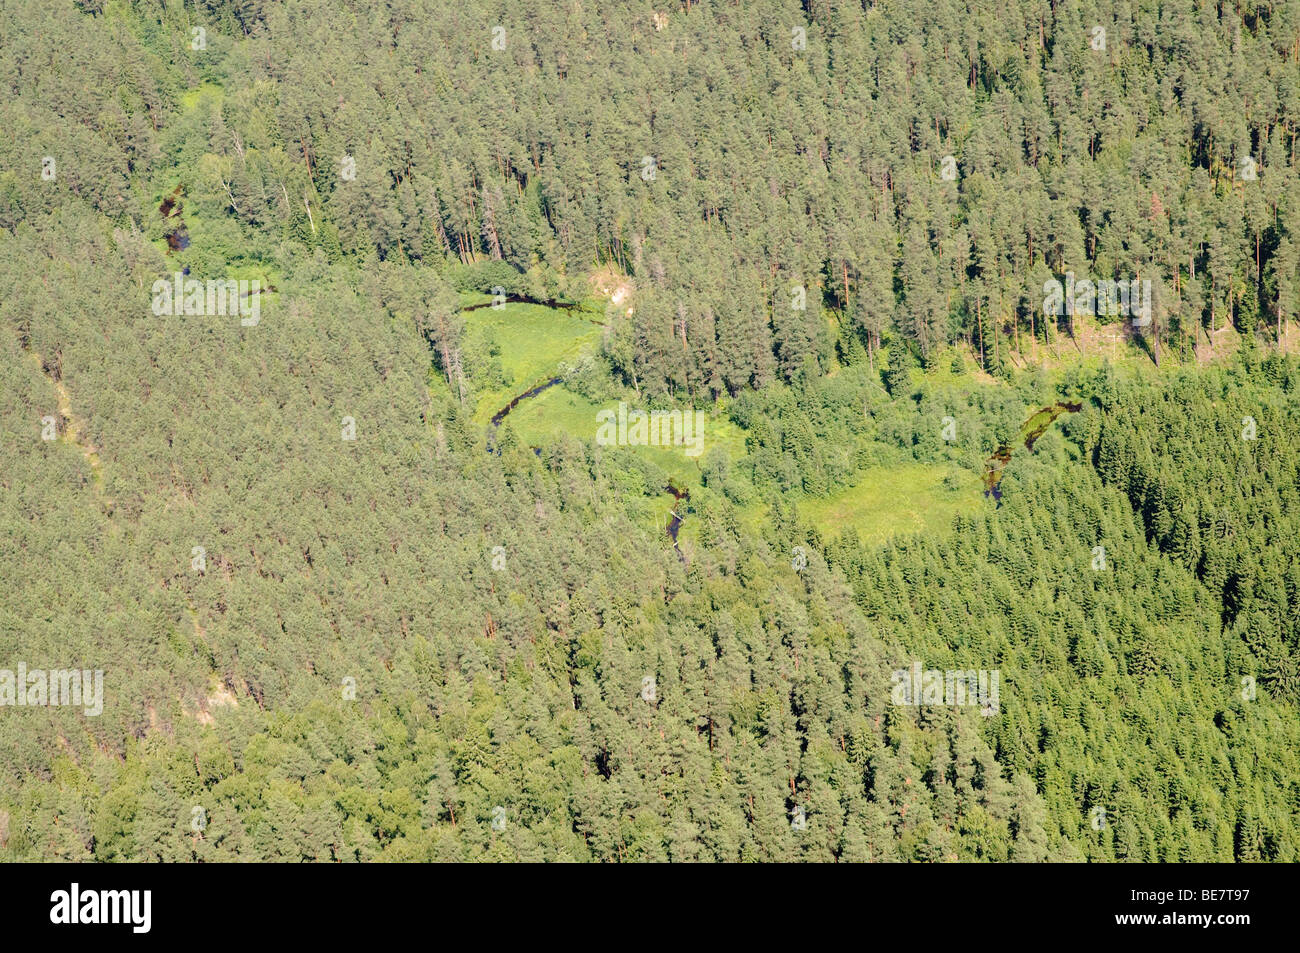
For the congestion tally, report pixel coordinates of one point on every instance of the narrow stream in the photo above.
(675, 525)
(543, 302)
(1030, 431)
(500, 415)
(680, 496)
(525, 299)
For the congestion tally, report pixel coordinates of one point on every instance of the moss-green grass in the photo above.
(533, 341)
(190, 98)
(895, 500)
(537, 420)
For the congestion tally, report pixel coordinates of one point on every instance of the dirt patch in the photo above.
(221, 697)
(613, 285)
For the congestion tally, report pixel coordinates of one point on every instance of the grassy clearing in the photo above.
(537, 420)
(531, 342)
(190, 98)
(897, 499)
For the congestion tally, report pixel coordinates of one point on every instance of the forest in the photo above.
(364, 577)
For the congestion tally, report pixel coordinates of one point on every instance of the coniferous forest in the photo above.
(646, 431)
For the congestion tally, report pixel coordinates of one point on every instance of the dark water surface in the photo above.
(178, 239)
(500, 415)
(543, 302)
(675, 524)
(1030, 431)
